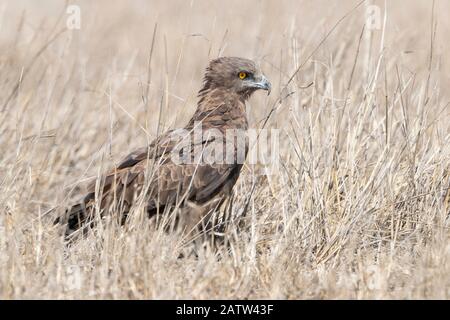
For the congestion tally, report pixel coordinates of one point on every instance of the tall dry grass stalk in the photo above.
(358, 208)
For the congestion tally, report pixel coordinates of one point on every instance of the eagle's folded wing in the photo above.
(166, 183)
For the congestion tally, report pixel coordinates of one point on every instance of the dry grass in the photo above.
(359, 208)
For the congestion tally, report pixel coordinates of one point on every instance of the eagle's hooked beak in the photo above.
(263, 83)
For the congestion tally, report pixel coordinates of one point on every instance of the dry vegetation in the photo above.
(358, 209)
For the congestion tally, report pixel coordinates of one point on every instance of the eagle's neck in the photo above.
(222, 109)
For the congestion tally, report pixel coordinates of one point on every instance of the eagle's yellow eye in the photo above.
(242, 75)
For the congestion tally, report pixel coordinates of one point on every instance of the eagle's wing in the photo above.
(166, 182)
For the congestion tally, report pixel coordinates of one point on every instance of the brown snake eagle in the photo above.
(164, 175)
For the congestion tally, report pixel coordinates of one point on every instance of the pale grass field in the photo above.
(358, 209)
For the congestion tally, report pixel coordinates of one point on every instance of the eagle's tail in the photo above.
(76, 217)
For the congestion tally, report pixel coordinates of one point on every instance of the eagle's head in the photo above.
(237, 75)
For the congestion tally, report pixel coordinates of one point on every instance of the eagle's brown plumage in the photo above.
(150, 171)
